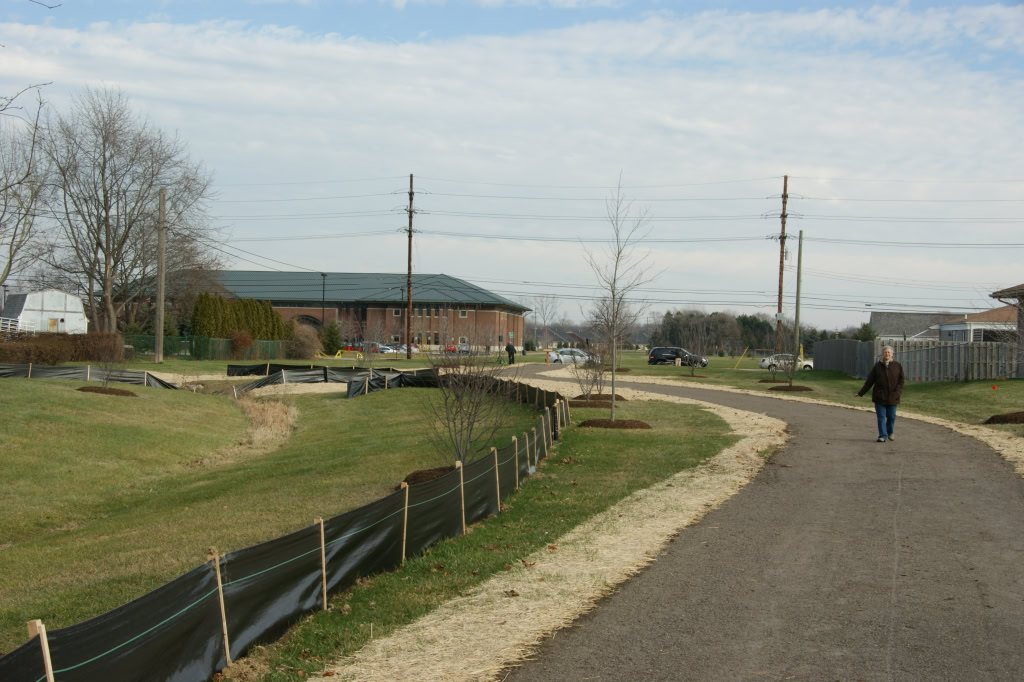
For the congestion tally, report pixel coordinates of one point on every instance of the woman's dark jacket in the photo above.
(888, 383)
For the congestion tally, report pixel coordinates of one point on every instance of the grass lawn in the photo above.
(106, 497)
(970, 402)
(591, 470)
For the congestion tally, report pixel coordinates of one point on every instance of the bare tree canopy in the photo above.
(22, 183)
(545, 308)
(108, 167)
(620, 271)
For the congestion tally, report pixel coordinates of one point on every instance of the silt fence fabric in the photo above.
(365, 541)
(480, 489)
(135, 377)
(171, 633)
(24, 663)
(507, 470)
(435, 512)
(268, 586)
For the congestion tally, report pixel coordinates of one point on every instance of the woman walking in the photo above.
(887, 378)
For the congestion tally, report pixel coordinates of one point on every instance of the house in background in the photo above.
(906, 326)
(49, 310)
(989, 325)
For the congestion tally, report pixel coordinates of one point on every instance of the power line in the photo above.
(308, 182)
(329, 198)
(690, 184)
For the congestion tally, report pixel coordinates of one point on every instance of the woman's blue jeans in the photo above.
(886, 419)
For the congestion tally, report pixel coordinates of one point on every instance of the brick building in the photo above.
(372, 306)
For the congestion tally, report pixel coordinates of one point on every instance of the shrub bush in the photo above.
(54, 349)
(330, 337)
(529, 345)
(241, 342)
(304, 342)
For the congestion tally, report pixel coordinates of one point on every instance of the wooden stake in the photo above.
(515, 444)
(30, 370)
(284, 376)
(405, 515)
(323, 562)
(385, 382)
(535, 460)
(37, 629)
(223, 613)
(497, 479)
(536, 401)
(267, 372)
(145, 378)
(462, 496)
(366, 385)
(87, 372)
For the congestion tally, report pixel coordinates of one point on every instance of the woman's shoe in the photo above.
(880, 440)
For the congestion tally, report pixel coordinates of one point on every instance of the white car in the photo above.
(783, 361)
(571, 355)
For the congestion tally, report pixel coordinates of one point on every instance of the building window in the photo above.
(437, 339)
(419, 312)
(395, 338)
(463, 339)
(437, 312)
(499, 338)
(397, 312)
(463, 313)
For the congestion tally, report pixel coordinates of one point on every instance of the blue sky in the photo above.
(900, 125)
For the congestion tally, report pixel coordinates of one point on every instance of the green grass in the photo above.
(103, 499)
(970, 402)
(591, 469)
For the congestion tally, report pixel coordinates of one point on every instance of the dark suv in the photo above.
(666, 355)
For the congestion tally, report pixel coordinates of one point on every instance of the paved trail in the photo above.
(845, 559)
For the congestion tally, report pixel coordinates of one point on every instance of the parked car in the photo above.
(572, 355)
(384, 348)
(783, 362)
(666, 355)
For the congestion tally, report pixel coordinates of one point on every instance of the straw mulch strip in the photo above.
(617, 424)
(1009, 418)
(794, 388)
(107, 391)
(477, 636)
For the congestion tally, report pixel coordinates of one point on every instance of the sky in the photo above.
(899, 125)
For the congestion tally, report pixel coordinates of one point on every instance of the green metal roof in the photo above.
(357, 287)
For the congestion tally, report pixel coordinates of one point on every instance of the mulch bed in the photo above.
(600, 396)
(1009, 418)
(424, 475)
(791, 388)
(773, 381)
(107, 391)
(617, 424)
(694, 376)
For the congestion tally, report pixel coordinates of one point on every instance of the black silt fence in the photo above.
(136, 377)
(177, 632)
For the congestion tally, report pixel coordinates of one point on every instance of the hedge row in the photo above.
(54, 349)
(218, 318)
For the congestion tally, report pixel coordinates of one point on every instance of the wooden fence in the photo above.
(922, 360)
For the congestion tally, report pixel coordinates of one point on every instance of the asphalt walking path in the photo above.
(844, 559)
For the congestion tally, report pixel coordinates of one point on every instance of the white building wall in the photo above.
(55, 311)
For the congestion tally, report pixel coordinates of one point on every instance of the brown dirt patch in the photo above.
(601, 396)
(620, 370)
(773, 381)
(1008, 418)
(694, 376)
(617, 424)
(793, 388)
(424, 475)
(107, 391)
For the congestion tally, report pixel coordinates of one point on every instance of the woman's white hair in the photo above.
(888, 348)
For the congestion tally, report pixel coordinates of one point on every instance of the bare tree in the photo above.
(590, 376)
(373, 335)
(108, 166)
(545, 308)
(22, 183)
(620, 272)
(470, 405)
(697, 333)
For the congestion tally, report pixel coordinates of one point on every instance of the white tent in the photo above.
(49, 310)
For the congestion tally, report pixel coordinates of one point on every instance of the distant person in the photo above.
(511, 350)
(887, 378)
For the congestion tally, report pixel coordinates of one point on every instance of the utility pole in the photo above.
(782, 263)
(408, 305)
(161, 274)
(797, 355)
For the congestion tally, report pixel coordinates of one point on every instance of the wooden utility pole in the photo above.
(161, 275)
(797, 355)
(408, 288)
(782, 263)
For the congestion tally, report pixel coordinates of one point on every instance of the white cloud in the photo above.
(881, 93)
